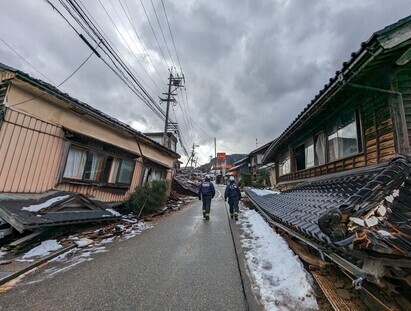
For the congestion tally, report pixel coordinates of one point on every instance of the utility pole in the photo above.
(215, 156)
(191, 158)
(256, 143)
(173, 82)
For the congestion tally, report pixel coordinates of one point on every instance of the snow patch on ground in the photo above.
(44, 249)
(280, 278)
(263, 192)
(76, 256)
(38, 207)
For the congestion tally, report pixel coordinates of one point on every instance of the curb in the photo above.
(35, 264)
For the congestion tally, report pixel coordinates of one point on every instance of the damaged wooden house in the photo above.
(65, 162)
(345, 162)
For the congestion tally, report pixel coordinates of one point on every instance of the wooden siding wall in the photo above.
(377, 141)
(30, 153)
(403, 85)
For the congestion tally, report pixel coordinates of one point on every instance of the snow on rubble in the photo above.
(37, 207)
(263, 192)
(280, 278)
(88, 245)
(44, 249)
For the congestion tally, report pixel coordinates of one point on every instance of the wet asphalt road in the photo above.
(183, 263)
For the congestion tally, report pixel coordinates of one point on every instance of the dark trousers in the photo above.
(206, 203)
(233, 202)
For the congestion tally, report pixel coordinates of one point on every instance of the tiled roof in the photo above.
(52, 208)
(183, 185)
(349, 210)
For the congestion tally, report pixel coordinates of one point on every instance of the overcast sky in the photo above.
(250, 65)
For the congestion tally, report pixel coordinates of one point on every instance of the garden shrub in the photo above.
(152, 195)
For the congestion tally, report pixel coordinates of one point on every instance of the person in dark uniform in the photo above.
(206, 193)
(233, 194)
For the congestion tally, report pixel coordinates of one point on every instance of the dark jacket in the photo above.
(206, 189)
(232, 191)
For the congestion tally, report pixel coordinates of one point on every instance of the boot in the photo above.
(207, 217)
(236, 216)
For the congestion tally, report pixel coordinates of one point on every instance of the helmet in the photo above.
(231, 178)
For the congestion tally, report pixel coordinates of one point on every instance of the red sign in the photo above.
(221, 156)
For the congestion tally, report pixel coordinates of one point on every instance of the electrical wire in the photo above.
(25, 60)
(64, 81)
(154, 33)
(171, 33)
(162, 33)
(130, 19)
(119, 67)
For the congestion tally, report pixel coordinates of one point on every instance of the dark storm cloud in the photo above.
(250, 66)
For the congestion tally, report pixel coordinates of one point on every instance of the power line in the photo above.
(84, 20)
(152, 29)
(64, 81)
(25, 60)
(125, 41)
(130, 19)
(162, 33)
(171, 33)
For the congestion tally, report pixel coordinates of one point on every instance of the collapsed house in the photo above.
(346, 163)
(65, 162)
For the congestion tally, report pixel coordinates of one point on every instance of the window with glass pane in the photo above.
(94, 166)
(309, 153)
(284, 164)
(343, 138)
(126, 172)
(319, 149)
(76, 160)
(304, 155)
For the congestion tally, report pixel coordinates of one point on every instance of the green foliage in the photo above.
(152, 195)
(262, 176)
(245, 179)
(258, 185)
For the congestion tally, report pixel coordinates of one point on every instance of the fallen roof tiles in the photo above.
(309, 208)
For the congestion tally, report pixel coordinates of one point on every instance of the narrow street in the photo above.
(182, 263)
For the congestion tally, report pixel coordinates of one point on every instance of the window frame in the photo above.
(287, 155)
(304, 144)
(103, 179)
(359, 137)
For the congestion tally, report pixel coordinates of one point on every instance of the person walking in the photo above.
(233, 194)
(206, 193)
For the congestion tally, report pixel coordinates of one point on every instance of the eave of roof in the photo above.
(379, 40)
(46, 87)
